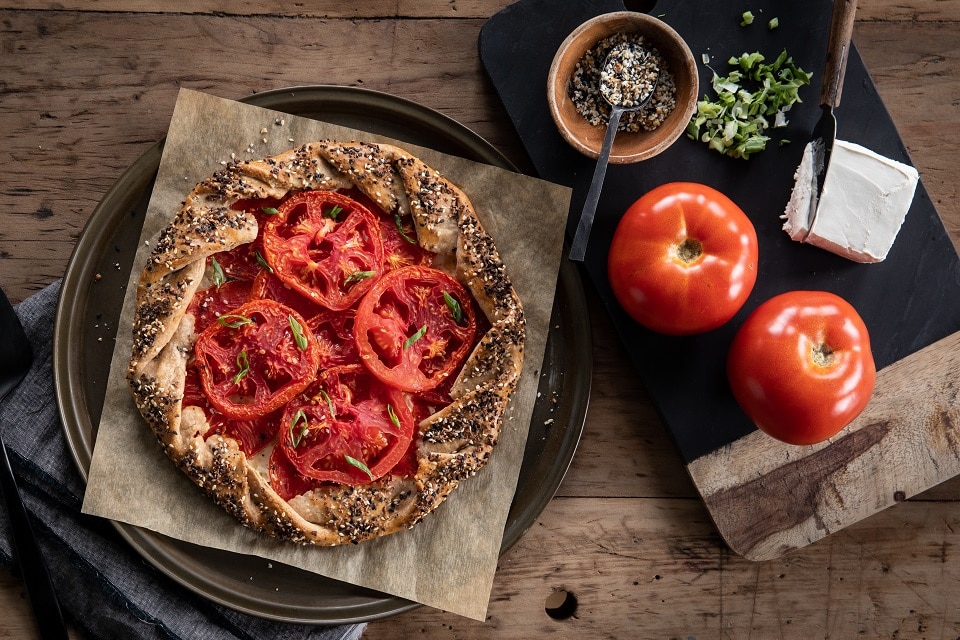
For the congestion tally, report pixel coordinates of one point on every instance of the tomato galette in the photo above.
(325, 341)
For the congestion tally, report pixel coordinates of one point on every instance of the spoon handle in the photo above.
(580, 239)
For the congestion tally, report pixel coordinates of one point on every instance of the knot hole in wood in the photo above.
(560, 604)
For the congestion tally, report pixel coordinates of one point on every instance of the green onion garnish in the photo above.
(419, 334)
(333, 414)
(359, 465)
(263, 262)
(219, 277)
(393, 416)
(243, 364)
(296, 438)
(357, 276)
(454, 307)
(396, 218)
(233, 320)
(297, 330)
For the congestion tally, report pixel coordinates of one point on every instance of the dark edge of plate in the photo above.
(555, 428)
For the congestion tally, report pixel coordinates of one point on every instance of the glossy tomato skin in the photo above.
(683, 259)
(801, 367)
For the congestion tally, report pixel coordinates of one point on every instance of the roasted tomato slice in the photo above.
(245, 261)
(284, 477)
(400, 248)
(334, 331)
(415, 328)
(326, 246)
(255, 359)
(267, 286)
(252, 435)
(348, 427)
(213, 302)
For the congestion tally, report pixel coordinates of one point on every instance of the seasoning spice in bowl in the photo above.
(652, 74)
(576, 77)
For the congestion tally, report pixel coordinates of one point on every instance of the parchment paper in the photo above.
(449, 559)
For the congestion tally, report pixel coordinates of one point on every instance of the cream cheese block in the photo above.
(864, 202)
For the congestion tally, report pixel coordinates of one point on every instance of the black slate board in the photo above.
(908, 301)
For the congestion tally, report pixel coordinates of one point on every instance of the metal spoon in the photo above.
(619, 86)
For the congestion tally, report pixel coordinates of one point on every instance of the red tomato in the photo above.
(252, 435)
(348, 427)
(284, 477)
(334, 332)
(326, 246)
(683, 259)
(251, 361)
(245, 261)
(415, 328)
(213, 302)
(267, 286)
(801, 366)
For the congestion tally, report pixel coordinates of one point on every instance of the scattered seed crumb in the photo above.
(97, 277)
(548, 422)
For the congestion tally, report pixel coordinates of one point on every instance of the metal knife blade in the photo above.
(824, 135)
(834, 67)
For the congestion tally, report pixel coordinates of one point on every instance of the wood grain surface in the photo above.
(88, 86)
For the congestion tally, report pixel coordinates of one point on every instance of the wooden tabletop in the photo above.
(86, 89)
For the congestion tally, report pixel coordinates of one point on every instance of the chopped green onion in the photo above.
(751, 99)
(746, 18)
(359, 465)
(333, 414)
(393, 416)
(454, 307)
(396, 218)
(270, 211)
(219, 277)
(296, 438)
(773, 24)
(233, 320)
(419, 334)
(243, 364)
(357, 276)
(297, 330)
(262, 262)
(334, 212)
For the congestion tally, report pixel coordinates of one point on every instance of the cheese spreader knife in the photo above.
(831, 85)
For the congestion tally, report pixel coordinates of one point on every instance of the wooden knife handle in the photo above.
(838, 49)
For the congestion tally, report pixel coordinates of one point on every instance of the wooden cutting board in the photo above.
(766, 498)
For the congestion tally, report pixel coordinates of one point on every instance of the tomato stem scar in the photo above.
(822, 354)
(690, 250)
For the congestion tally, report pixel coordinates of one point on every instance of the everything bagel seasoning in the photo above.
(584, 87)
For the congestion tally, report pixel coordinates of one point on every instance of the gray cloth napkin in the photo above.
(106, 590)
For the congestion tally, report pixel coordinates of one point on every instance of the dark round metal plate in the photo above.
(86, 325)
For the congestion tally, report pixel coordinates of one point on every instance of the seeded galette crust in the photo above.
(455, 442)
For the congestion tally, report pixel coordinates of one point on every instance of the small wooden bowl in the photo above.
(627, 147)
